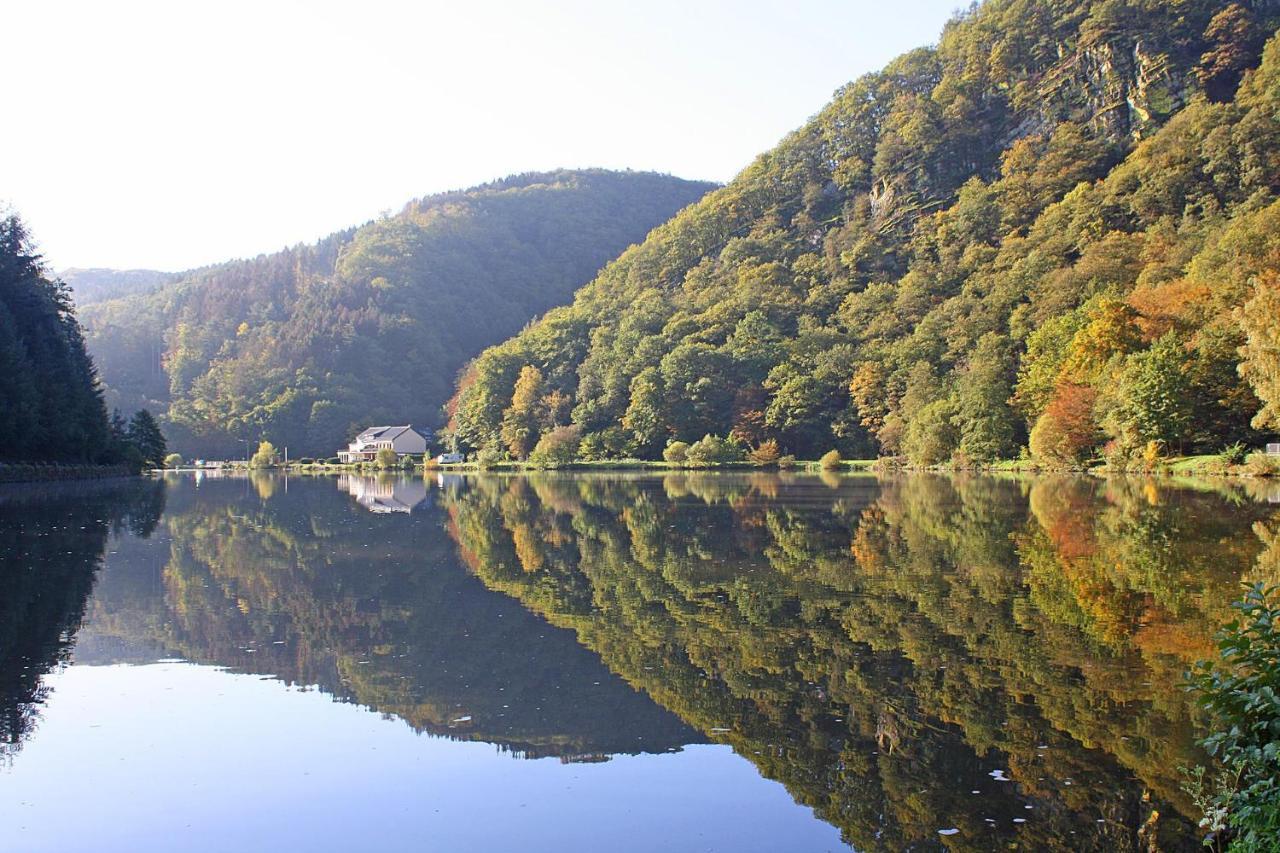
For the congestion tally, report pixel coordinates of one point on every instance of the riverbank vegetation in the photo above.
(1054, 231)
(1240, 799)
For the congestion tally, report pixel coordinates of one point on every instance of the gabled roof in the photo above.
(382, 433)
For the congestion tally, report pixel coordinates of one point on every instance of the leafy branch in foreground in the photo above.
(1242, 695)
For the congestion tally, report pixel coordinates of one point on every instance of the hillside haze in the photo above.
(1057, 227)
(370, 324)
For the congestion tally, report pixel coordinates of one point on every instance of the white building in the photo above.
(401, 439)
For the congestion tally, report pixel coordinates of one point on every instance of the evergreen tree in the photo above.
(144, 434)
(51, 407)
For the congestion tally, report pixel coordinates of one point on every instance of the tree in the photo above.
(144, 434)
(931, 435)
(520, 419)
(265, 457)
(831, 461)
(1150, 400)
(982, 402)
(644, 415)
(1259, 319)
(173, 460)
(51, 406)
(386, 458)
(1235, 39)
(1066, 432)
(557, 448)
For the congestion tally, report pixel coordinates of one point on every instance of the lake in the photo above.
(680, 661)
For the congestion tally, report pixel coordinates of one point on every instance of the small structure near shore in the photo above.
(400, 439)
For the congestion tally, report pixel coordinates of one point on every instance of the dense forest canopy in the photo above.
(1055, 228)
(371, 324)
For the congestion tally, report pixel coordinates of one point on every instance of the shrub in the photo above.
(173, 460)
(831, 461)
(1235, 454)
(386, 458)
(333, 460)
(1261, 465)
(1240, 693)
(712, 450)
(786, 462)
(557, 448)
(768, 453)
(489, 456)
(677, 452)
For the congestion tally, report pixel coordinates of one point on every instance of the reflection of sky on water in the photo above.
(178, 756)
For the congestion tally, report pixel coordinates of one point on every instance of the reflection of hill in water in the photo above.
(893, 653)
(371, 608)
(52, 538)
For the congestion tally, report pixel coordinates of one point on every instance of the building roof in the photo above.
(382, 433)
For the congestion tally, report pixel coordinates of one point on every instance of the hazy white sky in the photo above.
(174, 134)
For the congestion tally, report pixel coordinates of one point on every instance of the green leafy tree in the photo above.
(557, 448)
(1150, 400)
(1260, 320)
(987, 422)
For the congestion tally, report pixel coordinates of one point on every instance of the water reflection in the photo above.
(385, 492)
(997, 657)
(993, 656)
(52, 539)
(297, 583)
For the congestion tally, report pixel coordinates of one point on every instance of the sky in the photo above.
(169, 135)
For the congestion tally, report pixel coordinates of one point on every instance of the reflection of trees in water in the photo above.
(52, 539)
(375, 610)
(882, 650)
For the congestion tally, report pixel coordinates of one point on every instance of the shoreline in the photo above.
(37, 472)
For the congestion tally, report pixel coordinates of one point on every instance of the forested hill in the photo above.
(1059, 226)
(371, 324)
(98, 284)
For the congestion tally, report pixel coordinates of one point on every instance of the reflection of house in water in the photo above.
(384, 494)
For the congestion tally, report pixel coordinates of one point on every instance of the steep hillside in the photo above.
(1041, 230)
(368, 324)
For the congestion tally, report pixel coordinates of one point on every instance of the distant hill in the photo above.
(99, 285)
(1057, 227)
(370, 324)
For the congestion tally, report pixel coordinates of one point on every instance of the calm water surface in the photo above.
(680, 662)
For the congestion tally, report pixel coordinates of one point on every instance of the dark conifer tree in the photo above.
(144, 435)
(51, 406)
